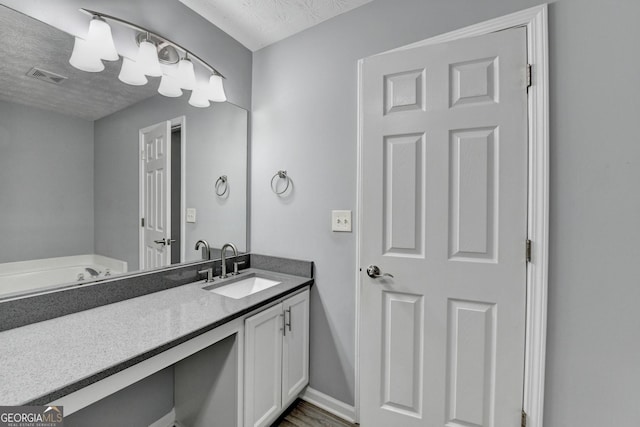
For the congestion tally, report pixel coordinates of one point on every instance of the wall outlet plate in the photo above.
(191, 214)
(341, 221)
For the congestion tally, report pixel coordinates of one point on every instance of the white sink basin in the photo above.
(244, 287)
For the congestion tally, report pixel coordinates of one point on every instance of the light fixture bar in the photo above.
(142, 29)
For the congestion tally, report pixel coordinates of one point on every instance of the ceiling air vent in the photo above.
(46, 76)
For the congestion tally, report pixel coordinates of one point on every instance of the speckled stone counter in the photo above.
(44, 361)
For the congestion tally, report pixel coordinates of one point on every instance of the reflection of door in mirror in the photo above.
(155, 195)
(161, 238)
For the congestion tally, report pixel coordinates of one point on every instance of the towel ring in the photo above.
(280, 175)
(222, 186)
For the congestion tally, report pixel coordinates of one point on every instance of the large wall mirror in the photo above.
(74, 193)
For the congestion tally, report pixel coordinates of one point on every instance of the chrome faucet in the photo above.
(209, 273)
(206, 245)
(92, 272)
(223, 272)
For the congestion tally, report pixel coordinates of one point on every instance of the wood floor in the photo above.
(304, 414)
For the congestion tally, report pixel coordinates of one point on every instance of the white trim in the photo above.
(140, 199)
(169, 420)
(94, 392)
(537, 274)
(329, 404)
(359, 203)
(535, 20)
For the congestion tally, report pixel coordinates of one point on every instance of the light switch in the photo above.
(191, 214)
(341, 221)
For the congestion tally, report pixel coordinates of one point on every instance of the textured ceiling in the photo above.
(28, 43)
(258, 23)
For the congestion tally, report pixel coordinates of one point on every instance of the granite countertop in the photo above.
(44, 361)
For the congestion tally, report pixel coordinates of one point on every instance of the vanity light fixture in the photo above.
(156, 56)
(186, 74)
(199, 97)
(215, 89)
(148, 58)
(100, 39)
(169, 86)
(131, 74)
(84, 58)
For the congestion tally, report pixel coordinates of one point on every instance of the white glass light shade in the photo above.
(84, 58)
(170, 70)
(131, 74)
(101, 41)
(199, 97)
(215, 89)
(169, 86)
(148, 59)
(186, 75)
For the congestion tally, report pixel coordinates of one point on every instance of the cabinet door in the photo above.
(263, 367)
(295, 349)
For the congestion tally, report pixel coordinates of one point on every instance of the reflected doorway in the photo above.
(176, 187)
(162, 155)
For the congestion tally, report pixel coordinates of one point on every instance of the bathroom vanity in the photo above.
(257, 340)
(71, 333)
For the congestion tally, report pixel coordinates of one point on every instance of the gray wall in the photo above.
(46, 184)
(216, 145)
(206, 386)
(304, 120)
(594, 322)
(169, 18)
(138, 405)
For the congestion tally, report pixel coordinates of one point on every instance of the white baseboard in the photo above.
(329, 404)
(168, 420)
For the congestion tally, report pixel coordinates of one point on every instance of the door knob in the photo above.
(166, 242)
(374, 272)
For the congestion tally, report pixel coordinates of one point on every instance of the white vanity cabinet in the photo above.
(276, 359)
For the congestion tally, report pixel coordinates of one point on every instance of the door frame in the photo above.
(535, 20)
(178, 121)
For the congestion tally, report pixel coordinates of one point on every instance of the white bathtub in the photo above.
(24, 276)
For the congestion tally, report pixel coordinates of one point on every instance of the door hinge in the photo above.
(141, 222)
(528, 250)
(523, 419)
(529, 76)
(142, 155)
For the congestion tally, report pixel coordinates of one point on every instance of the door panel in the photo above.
(403, 195)
(472, 194)
(403, 317)
(404, 91)
(471, 337)
(444, 173)
(473, 82)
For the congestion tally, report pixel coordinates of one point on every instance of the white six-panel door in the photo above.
(156, 197)
(444, 173)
